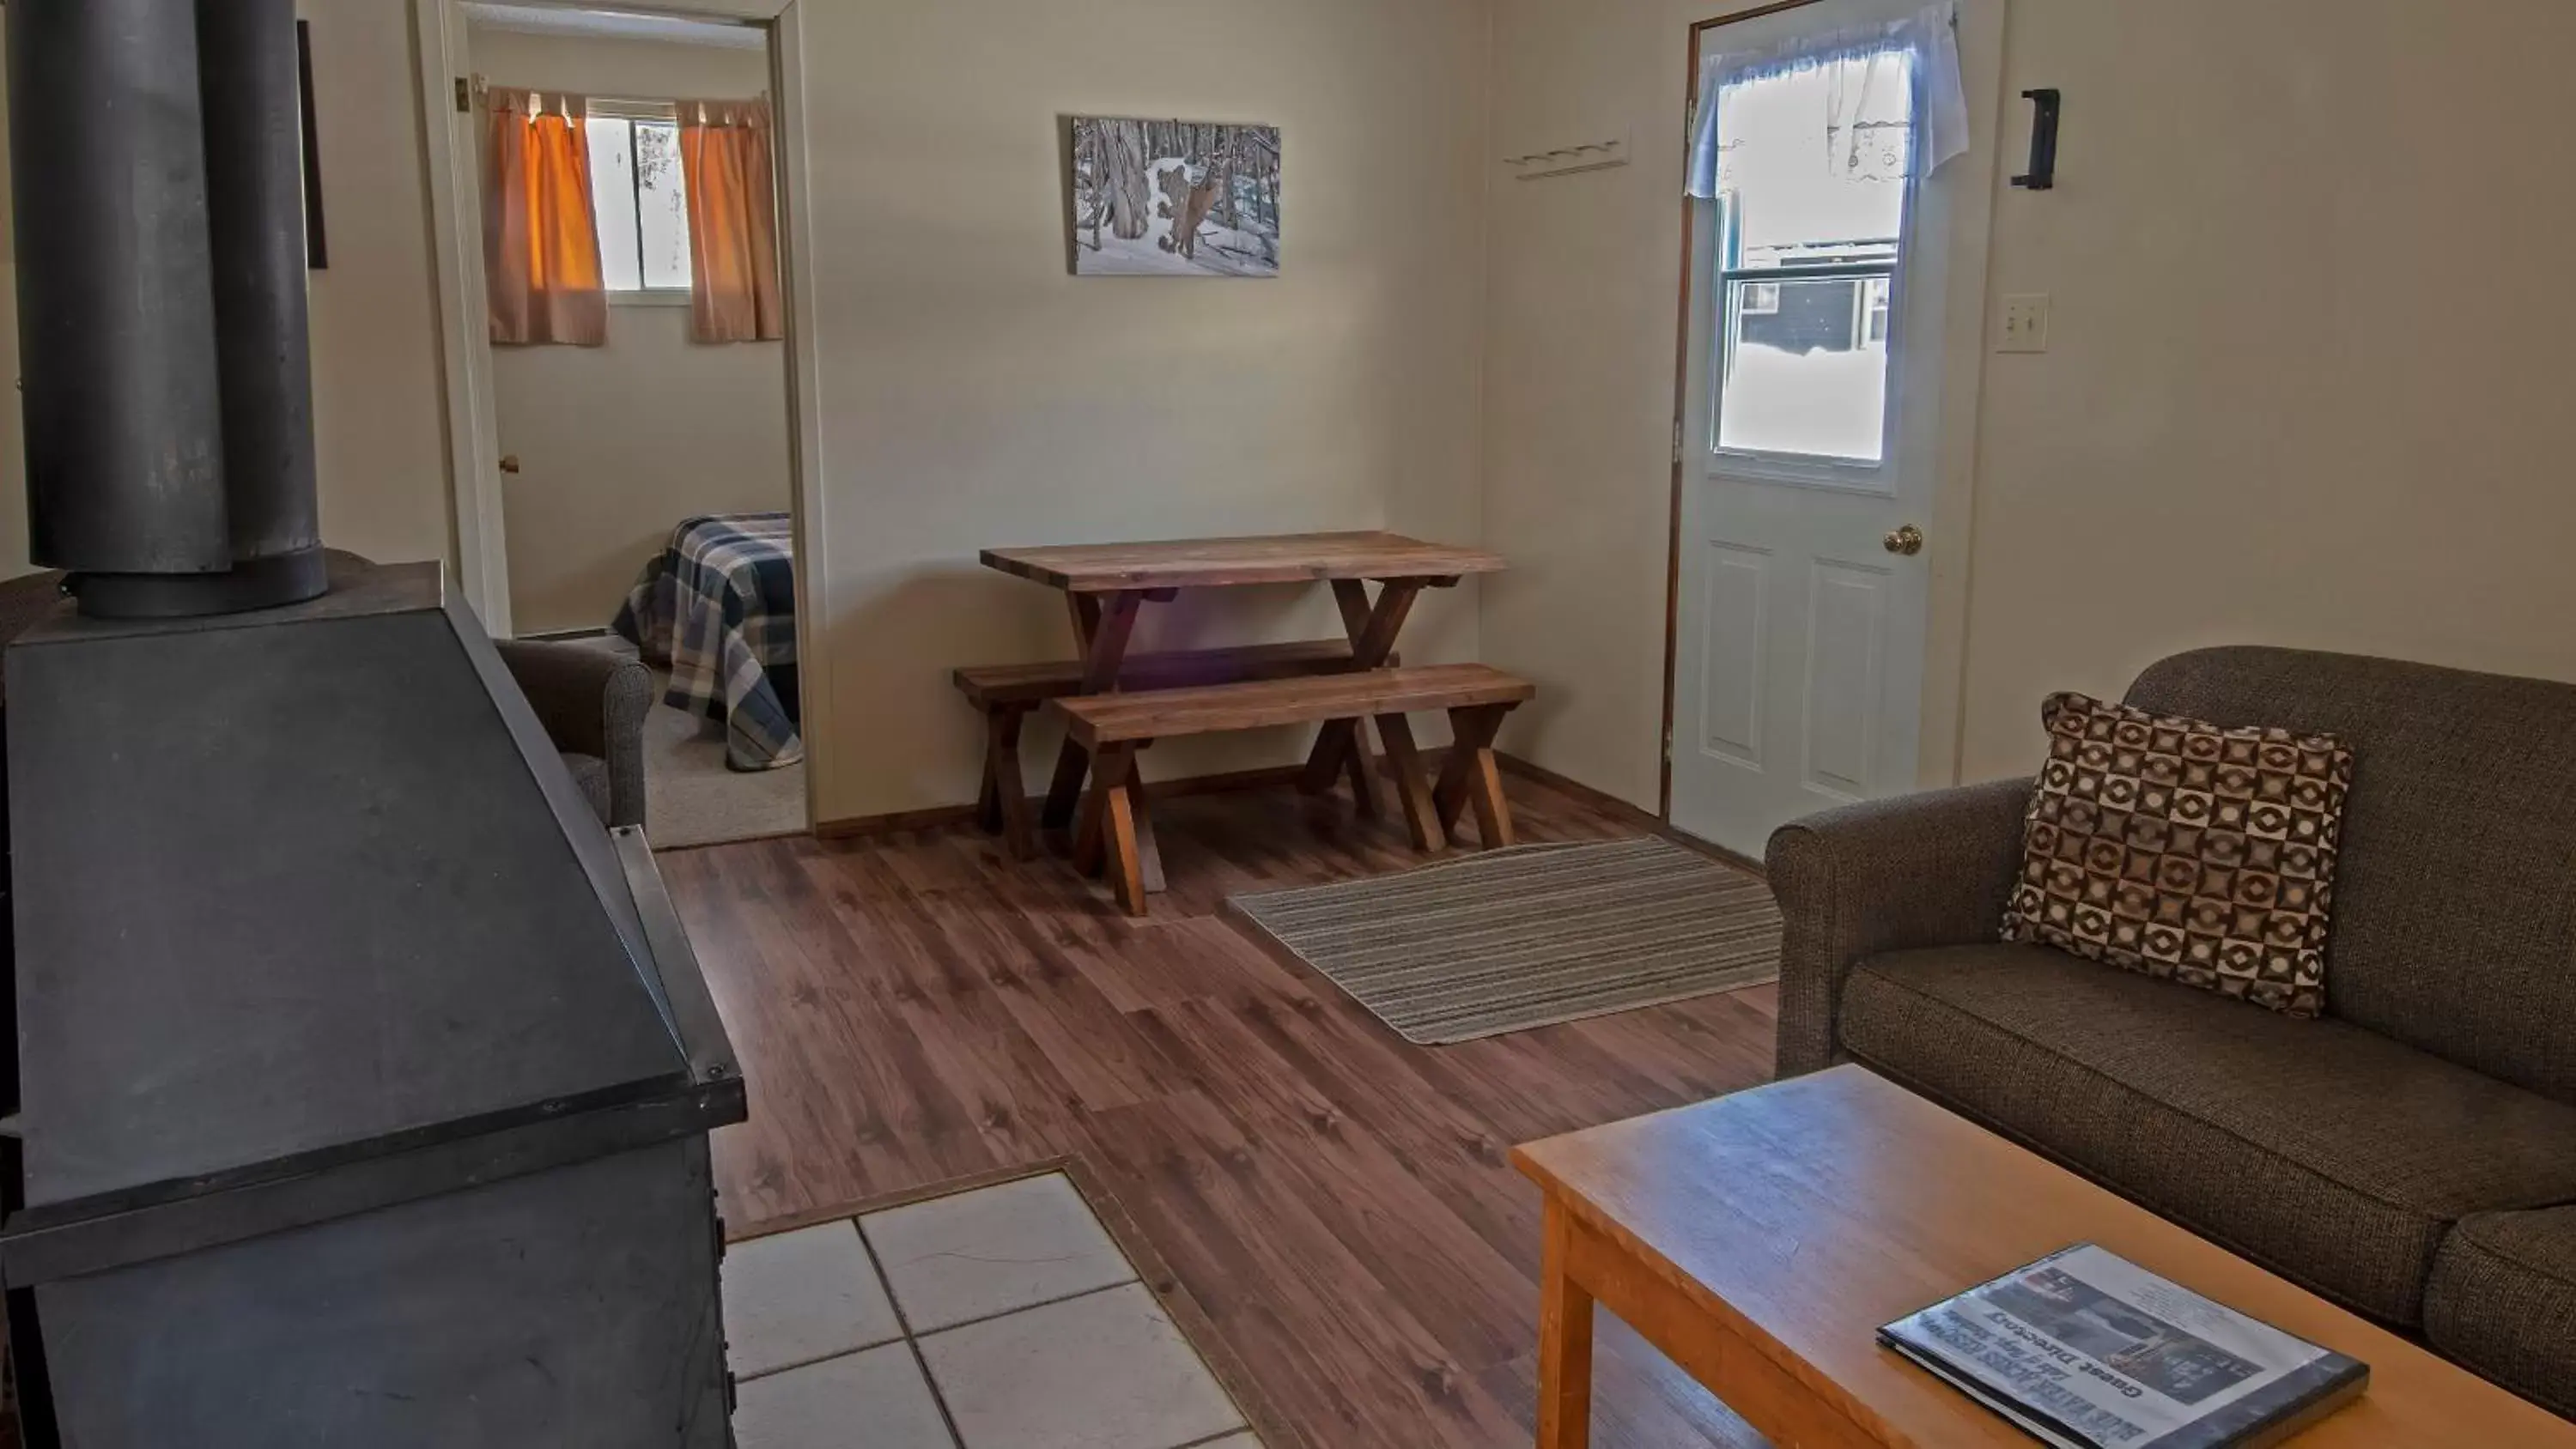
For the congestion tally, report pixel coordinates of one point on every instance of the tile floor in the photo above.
(1003, 1318)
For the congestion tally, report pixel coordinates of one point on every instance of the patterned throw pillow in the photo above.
(2185, 851)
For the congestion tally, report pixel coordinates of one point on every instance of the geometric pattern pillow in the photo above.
(2185, 851)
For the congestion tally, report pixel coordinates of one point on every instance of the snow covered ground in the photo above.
(1222, 251)
(1824, 404)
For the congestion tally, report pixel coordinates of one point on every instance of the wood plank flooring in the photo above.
(919, 1008)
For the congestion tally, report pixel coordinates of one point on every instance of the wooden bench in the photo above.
(1113, 830)
(1006, 693)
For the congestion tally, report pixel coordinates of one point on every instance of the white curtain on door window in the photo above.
(1861, 133)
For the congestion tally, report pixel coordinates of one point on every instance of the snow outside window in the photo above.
(1812, 181)
(639, 197)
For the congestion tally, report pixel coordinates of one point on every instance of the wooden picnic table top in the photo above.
(1092, 568)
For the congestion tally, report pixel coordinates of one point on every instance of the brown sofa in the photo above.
(2412, 1154)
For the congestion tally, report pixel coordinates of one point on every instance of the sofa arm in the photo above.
(591, 702)
(1932, 869)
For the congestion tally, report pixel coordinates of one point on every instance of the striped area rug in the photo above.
(1530, 936)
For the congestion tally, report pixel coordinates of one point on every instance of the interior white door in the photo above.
(1808, 441)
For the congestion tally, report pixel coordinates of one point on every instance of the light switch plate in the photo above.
(2025, 326)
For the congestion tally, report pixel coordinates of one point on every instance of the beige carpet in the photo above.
(1539, 934)
(690, 798)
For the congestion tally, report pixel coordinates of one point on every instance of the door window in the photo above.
(1813, 197)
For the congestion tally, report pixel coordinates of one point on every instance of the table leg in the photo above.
(1102, 624)
(1564, 1342)
(1351, 597)
(1372, 639)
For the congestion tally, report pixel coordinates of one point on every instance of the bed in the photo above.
(717, 608)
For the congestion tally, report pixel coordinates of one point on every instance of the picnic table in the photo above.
(1107, 587)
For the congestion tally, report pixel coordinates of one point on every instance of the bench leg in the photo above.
(1108, 835)
(1412, 785)
(1149, 855)
(1147, 852)
(1006, 798)
(1472, 775)
(1089, 840)
(988, 801)
(1362, 766)
(1101, 626)
(1126, 870)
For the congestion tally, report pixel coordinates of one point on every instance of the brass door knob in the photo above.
(1907, 541)
(510, 464)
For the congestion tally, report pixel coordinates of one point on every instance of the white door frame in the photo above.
(473, 447)
(1951, 521)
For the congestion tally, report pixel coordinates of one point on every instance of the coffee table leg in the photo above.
(1564, 1344)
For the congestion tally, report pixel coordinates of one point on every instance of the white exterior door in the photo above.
(1809, 439)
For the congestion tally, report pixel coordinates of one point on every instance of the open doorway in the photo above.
(634, 349)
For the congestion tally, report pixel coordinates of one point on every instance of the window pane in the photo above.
(662, 207)
(612, 194)
(1814, 174)
(1806, 376)
(1816, 162)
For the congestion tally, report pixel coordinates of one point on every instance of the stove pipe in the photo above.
(168, 381)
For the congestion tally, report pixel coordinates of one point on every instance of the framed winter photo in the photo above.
(1174, 199)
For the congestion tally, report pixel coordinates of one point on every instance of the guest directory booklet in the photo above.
(2086, 1350)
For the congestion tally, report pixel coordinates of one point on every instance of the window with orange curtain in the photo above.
(733, 221)
(540, 238)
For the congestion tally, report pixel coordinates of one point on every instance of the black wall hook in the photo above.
(2042, 175)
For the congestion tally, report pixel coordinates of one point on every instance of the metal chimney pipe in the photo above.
(251, 91)
(140, 297)
(116, 306)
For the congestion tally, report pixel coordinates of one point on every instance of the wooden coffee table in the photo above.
(1760, 1239)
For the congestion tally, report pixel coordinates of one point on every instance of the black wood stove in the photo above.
(361, 1079)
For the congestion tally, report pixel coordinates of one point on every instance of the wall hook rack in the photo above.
(1593, 155)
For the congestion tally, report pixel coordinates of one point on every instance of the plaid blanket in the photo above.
(718, 609)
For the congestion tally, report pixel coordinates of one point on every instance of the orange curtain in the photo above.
(733, 221)
(540, 237)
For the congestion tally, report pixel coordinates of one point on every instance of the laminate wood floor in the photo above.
(918, 1008)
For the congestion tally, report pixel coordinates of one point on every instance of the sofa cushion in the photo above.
(2455, 890)
(2503, 1302)
(2170, 846)
(2330, 1154)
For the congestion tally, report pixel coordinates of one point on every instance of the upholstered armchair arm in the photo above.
(592, 703)
(1932, 869)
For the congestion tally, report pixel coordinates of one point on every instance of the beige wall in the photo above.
(2308, 374)
(379, 431)
(619, 443)
(2303, 385)
(975, 395)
